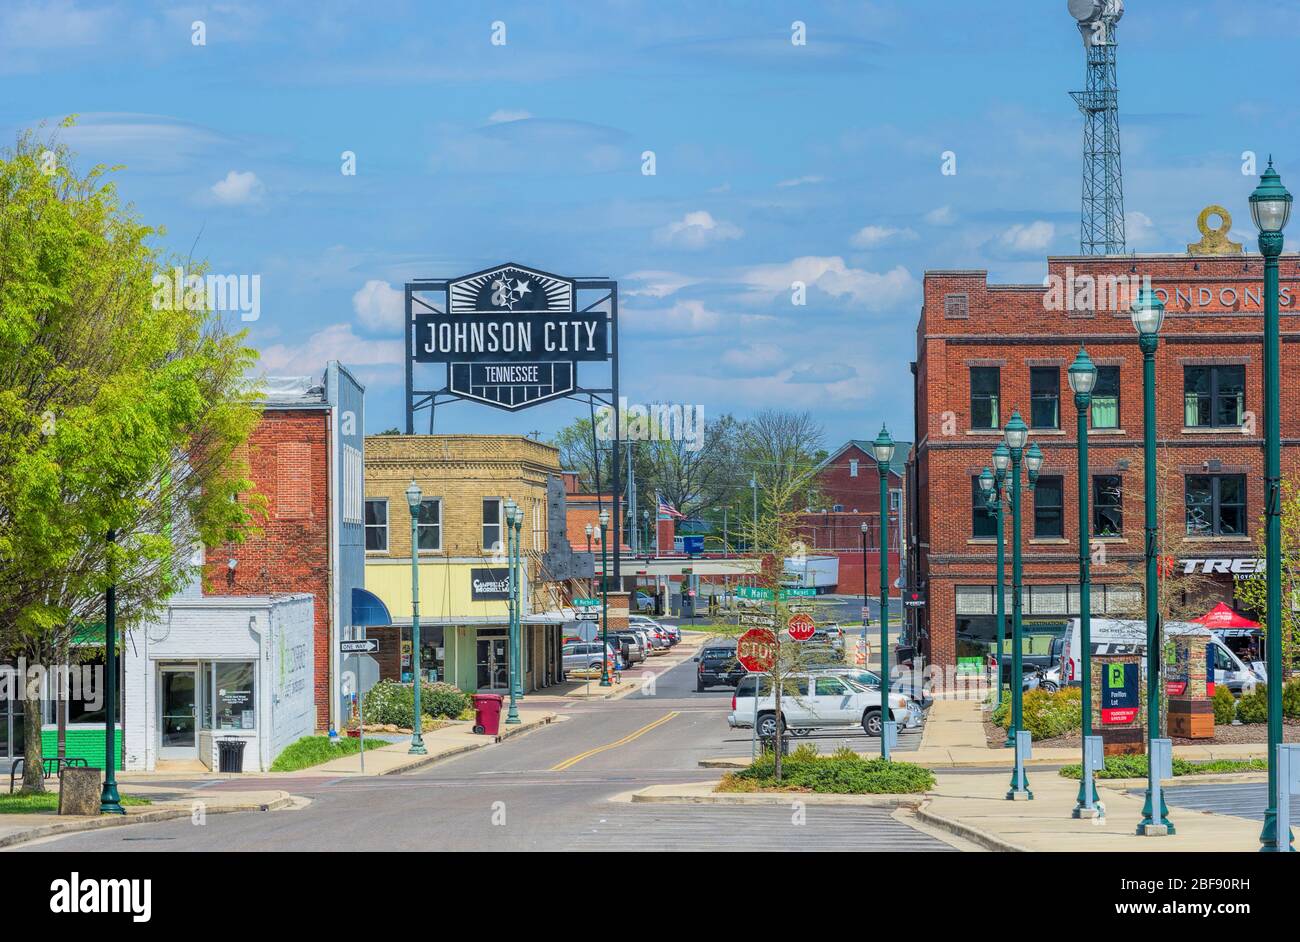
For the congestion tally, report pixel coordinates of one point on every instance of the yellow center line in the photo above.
(570, 762)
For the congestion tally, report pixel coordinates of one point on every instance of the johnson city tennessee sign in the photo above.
(511, 336)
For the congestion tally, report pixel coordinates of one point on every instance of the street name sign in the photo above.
(586, 603)
(756, 650)
(755, 592)
(760, 621)
(364, 646)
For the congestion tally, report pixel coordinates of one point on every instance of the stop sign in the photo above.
(756, 650)
(801, 627)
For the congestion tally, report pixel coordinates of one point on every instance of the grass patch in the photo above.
(844, 772)
(313, 750)
(47, 801)
(1135, 766)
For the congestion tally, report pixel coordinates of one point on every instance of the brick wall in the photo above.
(288, 461)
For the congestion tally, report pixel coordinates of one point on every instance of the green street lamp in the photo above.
(1270, 205)
(1083, 377)
(883, 449)
(1148, 313)
(604, 603)
(1015, 435)
(414, 502)
(110, 802)
(513, 518)
(1001, 466)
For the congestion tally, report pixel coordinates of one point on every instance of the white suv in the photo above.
(812, 701)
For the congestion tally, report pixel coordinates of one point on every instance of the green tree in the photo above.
(116, 414)
(1252, 592)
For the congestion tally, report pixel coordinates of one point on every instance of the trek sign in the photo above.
(511, 336)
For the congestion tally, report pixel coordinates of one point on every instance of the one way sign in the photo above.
(364, 646)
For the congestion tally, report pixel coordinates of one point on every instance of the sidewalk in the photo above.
(975, 807)
(168, 804)
(953, 737)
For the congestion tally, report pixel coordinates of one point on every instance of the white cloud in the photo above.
(237, 188)
(1031, 238)
(753, 359)
(1138, 228)
(943, 216)
(379, 307)
(655, 284)
(800, 181)
(696, 230)
(874, 291)
(375, 361)
(503, 115)
(688, 317)
(868, 237)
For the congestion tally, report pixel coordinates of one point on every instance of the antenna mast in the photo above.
(1102, 225)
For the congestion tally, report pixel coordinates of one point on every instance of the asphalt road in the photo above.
(550, 789)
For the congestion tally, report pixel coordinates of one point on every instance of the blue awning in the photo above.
(368, 611)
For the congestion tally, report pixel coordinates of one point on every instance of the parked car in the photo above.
(717, 666)
(812, 701)
(635, 653)
(585, 656)
(671, 633)
(917, 703)
(644, 602)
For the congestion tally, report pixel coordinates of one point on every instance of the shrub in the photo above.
(1046, 715)
(1291, 698)
(1135, 766)
(1225, 705)
(391, 702)
(843, 773)
(1253, 706)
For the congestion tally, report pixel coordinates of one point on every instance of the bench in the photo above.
(49, 768)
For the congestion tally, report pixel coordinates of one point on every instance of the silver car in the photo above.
(584, 656)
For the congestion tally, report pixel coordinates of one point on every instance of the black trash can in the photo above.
(230, 754)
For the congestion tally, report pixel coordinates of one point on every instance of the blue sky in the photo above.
(774, 162)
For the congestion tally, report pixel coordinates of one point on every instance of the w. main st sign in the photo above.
(511, 336)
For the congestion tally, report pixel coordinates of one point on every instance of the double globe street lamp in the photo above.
(604, 603)
(414, 501)
(514, 518)
(993, 484)
(1270, 207)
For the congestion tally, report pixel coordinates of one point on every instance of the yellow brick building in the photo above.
(464, 480)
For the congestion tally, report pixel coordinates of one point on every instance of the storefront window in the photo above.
(205, 697)
(235, 703)
(1105, 398)
(87, 686)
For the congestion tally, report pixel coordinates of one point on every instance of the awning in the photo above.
(368, 610)
(1221, 616)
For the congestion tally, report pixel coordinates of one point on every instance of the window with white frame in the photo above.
(377, 525)
(429, 526)
(853, 467)
(492, 538)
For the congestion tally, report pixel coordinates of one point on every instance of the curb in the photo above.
(782, 798)
(468, 747)
(142, 817)
(972, 834)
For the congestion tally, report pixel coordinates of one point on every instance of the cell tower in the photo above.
(1102, 228)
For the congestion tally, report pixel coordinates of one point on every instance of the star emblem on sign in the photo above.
(504, 294)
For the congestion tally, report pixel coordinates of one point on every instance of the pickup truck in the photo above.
(812, 701)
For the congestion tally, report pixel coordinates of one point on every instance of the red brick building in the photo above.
(847, 493)
(306, 458)
(984, 350)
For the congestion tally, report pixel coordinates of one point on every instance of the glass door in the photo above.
(4, 729)
(178, 720)
(493, 666)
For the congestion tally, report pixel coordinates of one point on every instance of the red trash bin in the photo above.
(487, 713)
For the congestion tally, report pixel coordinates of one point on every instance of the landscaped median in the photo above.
(843, 777)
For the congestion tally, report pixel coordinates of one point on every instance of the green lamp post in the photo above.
(604, 602)
(414, 502)
(1083, 377)
(1001, 464)
(1015, 435)
(988, 485)
(1270, 205)
(883, 449)
(1148, 313)
(110, 802)
(512, 518)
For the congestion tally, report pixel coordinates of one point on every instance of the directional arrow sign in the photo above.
(764, 621)
(587, 615)
(364, 646)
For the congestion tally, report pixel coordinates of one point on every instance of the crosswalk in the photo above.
(750, 828)
(1247, 800)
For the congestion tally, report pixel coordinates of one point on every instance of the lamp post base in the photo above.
(109, 800)
(1022, 794)
(1147, 829)
(512, 717)
(1082, 807)
(1268, 836)
(417, 746)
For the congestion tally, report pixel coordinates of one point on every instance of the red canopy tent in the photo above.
(1221, 616)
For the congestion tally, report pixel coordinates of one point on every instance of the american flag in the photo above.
(666, 509)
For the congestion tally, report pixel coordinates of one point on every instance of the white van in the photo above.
(1115, 636)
